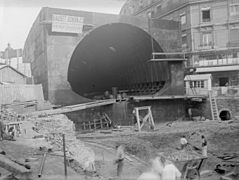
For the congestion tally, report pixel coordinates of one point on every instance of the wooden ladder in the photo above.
(214, 108)
(193, 88)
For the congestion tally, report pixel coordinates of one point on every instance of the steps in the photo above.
(214, 108)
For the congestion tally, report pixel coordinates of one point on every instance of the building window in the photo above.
(234, 8)
(202, 84)
(234, 38)
(87, 27)
(184, 40)
(206, 39)
(206, 15)
(183, 19)
(196, 84)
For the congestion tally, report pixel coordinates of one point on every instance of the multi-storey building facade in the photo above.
(209, 33)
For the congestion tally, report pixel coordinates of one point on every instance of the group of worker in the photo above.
(161, 168)
(9, 135)
(184, 144)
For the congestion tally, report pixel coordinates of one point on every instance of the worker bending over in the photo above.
(183, 142)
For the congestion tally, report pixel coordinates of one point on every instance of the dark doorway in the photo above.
(225, 115)
(223, 81)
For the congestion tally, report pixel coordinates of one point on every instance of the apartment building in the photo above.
(209, 33)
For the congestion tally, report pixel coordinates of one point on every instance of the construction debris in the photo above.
(53, 127)
(102, 122)
(15, 168)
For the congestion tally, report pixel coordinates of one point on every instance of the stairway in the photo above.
(214, 109)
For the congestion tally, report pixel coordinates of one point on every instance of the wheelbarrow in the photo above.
(189, 163)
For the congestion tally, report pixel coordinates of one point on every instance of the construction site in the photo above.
(104, 81)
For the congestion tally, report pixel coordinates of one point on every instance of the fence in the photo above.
(20, 93)
(226, 91)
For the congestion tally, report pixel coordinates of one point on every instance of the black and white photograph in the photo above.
(119, 89)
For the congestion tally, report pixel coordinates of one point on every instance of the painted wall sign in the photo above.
(67, 24)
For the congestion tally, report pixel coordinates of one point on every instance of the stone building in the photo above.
(209, 33)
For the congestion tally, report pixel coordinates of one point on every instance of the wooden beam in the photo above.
(72, 108)
(166, 59)
(13, 167)
(167, 97)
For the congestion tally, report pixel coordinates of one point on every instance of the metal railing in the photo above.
(217, 62)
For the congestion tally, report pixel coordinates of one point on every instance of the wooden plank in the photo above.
(84, 126)
(89, 125)
(137, 117)
(101, 123)
(166, 97)
(143, 108)
(13, 167)
(72, 108)
(94, 124)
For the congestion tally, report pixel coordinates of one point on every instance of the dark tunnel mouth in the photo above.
(101, 59)
(225, 115)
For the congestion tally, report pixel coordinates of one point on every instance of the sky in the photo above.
(17, 16)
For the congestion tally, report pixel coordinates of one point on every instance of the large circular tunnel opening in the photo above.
(225, 115)
(115, 55)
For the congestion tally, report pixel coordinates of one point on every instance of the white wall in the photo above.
(18, 92)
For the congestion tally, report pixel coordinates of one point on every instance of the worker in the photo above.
(204, 146)
(135, 118)
(106, 95)
(183, 142)
(155, 171)
(190, 113)
(170, 171)
(1, 130)
(149, 176)
(119, 98)
(119, 159)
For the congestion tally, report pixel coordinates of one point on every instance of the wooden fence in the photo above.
(20, 93)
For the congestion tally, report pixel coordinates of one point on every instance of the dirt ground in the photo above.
(223, 137)
(53, 169)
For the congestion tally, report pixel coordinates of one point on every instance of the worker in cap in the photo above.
(120, 155)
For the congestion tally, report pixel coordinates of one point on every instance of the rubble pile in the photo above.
(21, 107)
(52, 128)
(182, 155)
(7, 115)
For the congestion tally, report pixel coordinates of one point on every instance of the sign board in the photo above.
(67, 24)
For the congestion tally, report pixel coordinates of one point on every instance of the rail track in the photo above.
(129, 157)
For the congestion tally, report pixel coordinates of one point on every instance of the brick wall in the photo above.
(230, 103)
(224, 103)
(121, 113)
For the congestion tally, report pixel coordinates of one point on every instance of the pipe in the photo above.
(42, 164)
(64, 151)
